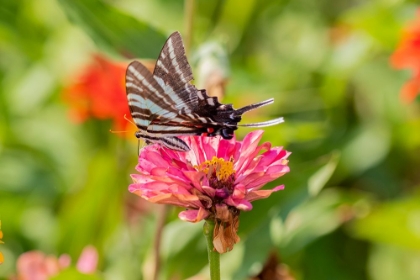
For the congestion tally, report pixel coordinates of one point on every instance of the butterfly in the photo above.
(165, 105)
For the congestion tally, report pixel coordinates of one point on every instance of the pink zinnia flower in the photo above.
(215, 180)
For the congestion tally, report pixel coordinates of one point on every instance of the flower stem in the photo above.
(162, 216)
(214, 256)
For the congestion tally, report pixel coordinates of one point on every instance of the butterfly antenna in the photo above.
(118, 131)
(254, 106)
(123, 131)
(130, 121)
(263, 124)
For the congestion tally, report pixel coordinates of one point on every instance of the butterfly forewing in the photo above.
(172, 66)
(146, 98)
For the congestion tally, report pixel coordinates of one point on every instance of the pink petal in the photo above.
(195, 155)
(137, 178)
(210, 146)
(195, 178)
(227, 148)
(173, 199)
(258, 180)
(239, 192)
(155, 186)
(150, 158)
(211, 192)
(260, 194)
(268, 158)
(241, 204)
(249, 145)
(145, 166)
(193, 216)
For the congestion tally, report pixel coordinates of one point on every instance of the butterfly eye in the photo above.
(227, 133)
(138, 134)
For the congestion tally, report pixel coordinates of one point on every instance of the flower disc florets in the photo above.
(221, 175)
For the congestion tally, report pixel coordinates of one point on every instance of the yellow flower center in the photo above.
(218, 167)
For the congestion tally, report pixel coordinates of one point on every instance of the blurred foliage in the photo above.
(350, 209)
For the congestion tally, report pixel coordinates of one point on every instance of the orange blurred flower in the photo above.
(407, 56)
(1, 242)
(99, 92)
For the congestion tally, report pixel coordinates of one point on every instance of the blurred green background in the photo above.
(351, 207)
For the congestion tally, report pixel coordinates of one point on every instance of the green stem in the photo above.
(161, 219)
(189, 21)
(214, 256)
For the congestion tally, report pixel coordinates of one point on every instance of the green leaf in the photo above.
(254, 250)
(387, 262)
(183, 250)
(92, 213)
(72, 273)
(395, 223)
(368, 147)
(113, 30)
(371, 16)
(313, 219)
(318, 180)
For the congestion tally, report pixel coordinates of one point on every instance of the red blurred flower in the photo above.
(407, 55)
(214, 180)
(99, 92)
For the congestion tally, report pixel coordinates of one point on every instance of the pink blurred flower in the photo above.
(35, 265)
(88, 260)
(407, 56)
(215, 180)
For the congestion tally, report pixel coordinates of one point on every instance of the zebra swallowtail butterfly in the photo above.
(165, 105)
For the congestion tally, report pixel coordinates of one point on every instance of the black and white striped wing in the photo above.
(146, 98)
(172, 68)
(148, 102)
(173, 73)
(165, 105)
